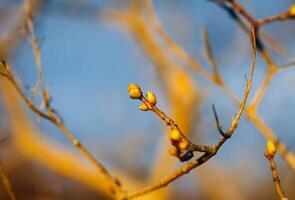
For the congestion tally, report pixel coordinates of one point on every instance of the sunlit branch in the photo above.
(207, 155)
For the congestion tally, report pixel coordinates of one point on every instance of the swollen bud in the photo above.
(270, 148)
(143, 107)
(173, 151)
(175, 135)
(134, 91)
(183, 144)
(151, 98)
(292, 10)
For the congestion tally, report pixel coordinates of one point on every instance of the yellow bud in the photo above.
(175, 135)
(292, 10)
(173, 151)
(133, 86)
(270, 148)
(183, 144)
(143, 107)
(151, 98)
(135, 94)
(134, 91)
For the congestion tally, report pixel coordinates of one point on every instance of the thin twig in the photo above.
(37, 55)
(281, 17)
(269, 154)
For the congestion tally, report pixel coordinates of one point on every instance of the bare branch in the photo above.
(209, 52)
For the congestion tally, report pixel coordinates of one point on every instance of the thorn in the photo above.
(218, 125)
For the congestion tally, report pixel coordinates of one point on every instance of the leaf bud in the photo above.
(143, 107)
(151, 98)
(134, 91)
(175, 135)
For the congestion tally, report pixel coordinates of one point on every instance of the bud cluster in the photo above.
(180, 145)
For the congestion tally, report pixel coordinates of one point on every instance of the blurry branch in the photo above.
(241, 16)
(6, 183)
(25, 23)
(274, 44)
(150, 102)
(4, 139)
(233, 14)
(4, 178)
(269, 154)
(232, 6)
(37, 55)
(50, 114)
(288, 65)
(256, 101)
(55, 120)
(75, 9)
(209, 51)
(173, 47)
(6, 72)
(182, 54)
(8, 43)
(217, 79)
(238, 8)
(12, 36)
(290, 14)
(222, 181)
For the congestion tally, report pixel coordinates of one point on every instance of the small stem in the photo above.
(275, 175)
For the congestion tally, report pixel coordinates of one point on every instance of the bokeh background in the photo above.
(89, 57)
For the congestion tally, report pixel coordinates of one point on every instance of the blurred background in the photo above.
(91, 50)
